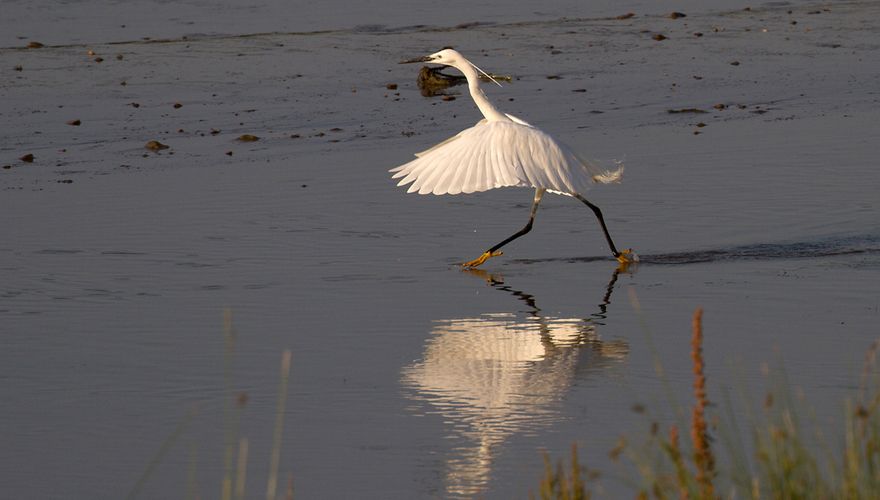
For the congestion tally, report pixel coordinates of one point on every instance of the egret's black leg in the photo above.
(598, 213)
(494, 252)
(528, 227)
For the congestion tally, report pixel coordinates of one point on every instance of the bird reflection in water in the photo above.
(501, 374)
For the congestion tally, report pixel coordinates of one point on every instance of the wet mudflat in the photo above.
(749, 139)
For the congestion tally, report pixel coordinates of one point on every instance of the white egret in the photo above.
(502, 150)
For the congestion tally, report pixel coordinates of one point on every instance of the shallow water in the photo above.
(411, 378)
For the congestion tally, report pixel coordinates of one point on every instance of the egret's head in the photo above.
(450, 57)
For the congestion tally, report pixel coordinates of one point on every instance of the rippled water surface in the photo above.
(411, 378)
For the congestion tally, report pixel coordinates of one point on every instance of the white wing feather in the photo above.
(499, 154)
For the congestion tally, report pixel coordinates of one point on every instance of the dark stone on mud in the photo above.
(685, 110)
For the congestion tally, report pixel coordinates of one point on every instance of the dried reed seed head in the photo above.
(615, 452)
(241, 399)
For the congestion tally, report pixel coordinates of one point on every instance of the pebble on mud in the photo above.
(177, 105)
(75, 123)
(734, 63)
(625, 16)
(28, 158)
(391, 86)
(18, 67)
(659, 37)
(449, 98)
(135, 105)
(720, 106)
(156, 146)
(35, 45)
(7, 167)
(247, 138)
(676, 15)
(229, 153)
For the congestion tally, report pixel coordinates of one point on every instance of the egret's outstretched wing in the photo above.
(435, 146)
(498, 154)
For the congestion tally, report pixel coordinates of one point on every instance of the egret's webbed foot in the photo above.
(482, 258)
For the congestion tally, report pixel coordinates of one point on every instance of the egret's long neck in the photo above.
(489, 111)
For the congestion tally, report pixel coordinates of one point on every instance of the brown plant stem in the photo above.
(703, 457)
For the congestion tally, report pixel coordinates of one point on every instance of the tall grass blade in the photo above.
(192, 480)
(241, 468)
(160, 454)
(272, 485)
(230, 424)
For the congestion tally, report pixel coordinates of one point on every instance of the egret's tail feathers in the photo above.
(610, 176)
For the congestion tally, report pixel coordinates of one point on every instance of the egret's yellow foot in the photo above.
(482, 258)
(626, 259)
(627, 256)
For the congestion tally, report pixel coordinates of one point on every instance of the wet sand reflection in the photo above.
(501, 374)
